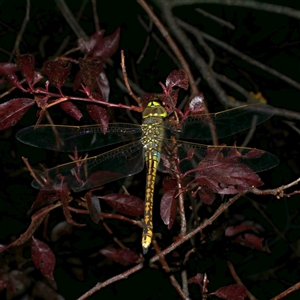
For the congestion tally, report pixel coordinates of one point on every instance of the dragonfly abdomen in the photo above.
(152, 161)
(152, 140)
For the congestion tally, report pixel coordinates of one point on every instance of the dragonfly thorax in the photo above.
(154, 109)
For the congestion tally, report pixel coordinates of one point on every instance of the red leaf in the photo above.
(8, 70)
(71, 109)
(169, 100)
(198, 279)
(43, 258)
(36, 220)
(37, 77)
(196, 104)
(45, 197)
(26, 66)
(13, 110)
(122, 256)
(90, 70)
(99, 115)
(125, 204)
(231, 292)
(57, 71)
(223, 173)
(77, 81)
(206, 195)
(108, 46)
(93, 207)
(234, 230)
(95, 179)
(177, 78)
(252, 241)
(169, 183)
(168, 207)
(89, 45)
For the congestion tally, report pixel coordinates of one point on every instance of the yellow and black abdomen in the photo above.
(152, 140)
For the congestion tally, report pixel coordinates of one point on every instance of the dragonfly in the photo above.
(144, 144)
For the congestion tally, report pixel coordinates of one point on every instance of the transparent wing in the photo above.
(84, 138)
(95, 171)
(190, 156)
(226, 122)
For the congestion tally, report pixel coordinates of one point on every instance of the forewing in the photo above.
(84, 138)
(95, 171)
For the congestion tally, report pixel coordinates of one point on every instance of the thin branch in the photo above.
(119, 277)
(272, 8)
(125, 77)
(167, 269)
(95, 15)
(193, 53)
(278, 192)
(290, 290)
(205, 46)
(171, 43)
(65, 11)
(238, 280)
(243, 56)
(215, 18)
(16, 49)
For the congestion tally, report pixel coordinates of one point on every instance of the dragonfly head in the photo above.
(154, 109)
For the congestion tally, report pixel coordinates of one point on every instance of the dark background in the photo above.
(270, 38)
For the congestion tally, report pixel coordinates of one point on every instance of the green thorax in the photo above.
(153, 131)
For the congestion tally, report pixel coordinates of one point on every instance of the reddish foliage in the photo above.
(231, 292)
(198, 279)
(9, 71)
(196, 105)
(125, 204)
(252, 241)
(246, 235)
(89, 45)
(98, 47)
(206, 195)
(43, 258)
(57, 71)
(221, 174)
(124, 257)
(98, 113)
(234, 230)
(177, 78)
(13, 110)
(107, 46)
(44, 198)
(96, 178)
(71, 109)
(168, 207)
(90, 70)
(25, 64)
